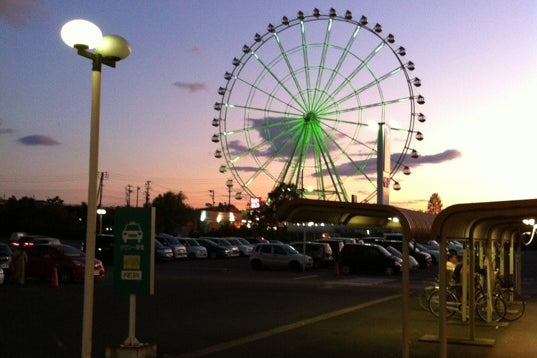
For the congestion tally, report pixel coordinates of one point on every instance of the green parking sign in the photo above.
(134, 247)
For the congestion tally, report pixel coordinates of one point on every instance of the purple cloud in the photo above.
(18, 12)
(195, 51)
(192, 87)
(37, 139)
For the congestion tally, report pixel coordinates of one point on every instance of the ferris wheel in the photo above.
(322, 102)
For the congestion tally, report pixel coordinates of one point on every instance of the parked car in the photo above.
(233, 250)
(214, 250)
(272, 255)
(163, 253)
(69, 261)
(424, 259)
(320, 252)
(433, 251)
(256, 240)
(179, 250)
(31, 240)
(412, 263)
(368, 258)
(104, 247)
(6, 255)
(193, 248)
(245, 248)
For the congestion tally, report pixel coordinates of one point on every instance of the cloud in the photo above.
(18, 12)
(192, 87)
(195, 51)
(37, 139)
(445, 156)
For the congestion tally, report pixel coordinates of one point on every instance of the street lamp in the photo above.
(101, 212)
(85, 36)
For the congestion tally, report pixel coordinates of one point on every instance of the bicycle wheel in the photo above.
(515, 304)
(499, 308)
(425, 293)
(452, 303)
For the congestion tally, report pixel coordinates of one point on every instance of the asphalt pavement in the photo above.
(365, 321)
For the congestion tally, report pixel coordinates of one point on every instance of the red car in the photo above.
(69, 261)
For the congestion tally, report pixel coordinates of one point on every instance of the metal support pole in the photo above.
(132, 341)
(87, 314)
(383, 165)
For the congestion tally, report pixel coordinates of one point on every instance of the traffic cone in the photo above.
(54, 282)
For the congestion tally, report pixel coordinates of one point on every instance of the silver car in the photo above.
(193, 248)
(179, 250)
(279, 256)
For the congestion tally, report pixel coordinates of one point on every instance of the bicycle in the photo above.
(454, 305)
(516, 305)
(428, 288)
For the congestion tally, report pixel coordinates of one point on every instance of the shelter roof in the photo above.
(413, 224)
(497, 220)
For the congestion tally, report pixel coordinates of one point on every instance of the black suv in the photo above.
(368, 258)
(104, 247)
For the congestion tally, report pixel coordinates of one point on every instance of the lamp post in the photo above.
(101, 212)
(85, 36)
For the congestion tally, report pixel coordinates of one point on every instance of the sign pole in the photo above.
(131, 341)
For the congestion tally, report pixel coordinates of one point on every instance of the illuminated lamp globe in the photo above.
(81, 32)
(114, 47)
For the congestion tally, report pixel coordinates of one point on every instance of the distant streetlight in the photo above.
(85, 36)
(101, 212)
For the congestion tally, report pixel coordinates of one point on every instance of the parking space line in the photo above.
(272, 332)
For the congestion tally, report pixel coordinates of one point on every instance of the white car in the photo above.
(245, 249)
(272, 255)
(193, 248)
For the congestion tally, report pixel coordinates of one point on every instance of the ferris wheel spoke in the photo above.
(320, 69)
(275, 155)
(268, 69)
(370, 105)
(344, 53)
(269, 95)
(305, 56)
(364, 63)
(344, 134)
(291, 70)
(376, 82)
(324, 156)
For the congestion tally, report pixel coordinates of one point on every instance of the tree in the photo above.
(282, 193)
(171, 212)
(435, 204)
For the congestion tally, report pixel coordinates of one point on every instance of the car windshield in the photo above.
(71, 251)
(290, 249)
(384, 251)
(5, 250)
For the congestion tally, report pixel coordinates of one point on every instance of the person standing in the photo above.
(20, 258)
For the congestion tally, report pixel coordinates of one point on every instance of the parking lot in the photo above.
(222, 308)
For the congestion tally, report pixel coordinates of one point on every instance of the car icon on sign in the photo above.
(132, 231)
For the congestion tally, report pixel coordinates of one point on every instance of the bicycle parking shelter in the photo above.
(488, 224)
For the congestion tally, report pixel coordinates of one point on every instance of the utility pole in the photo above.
(137, 193)
(147, 189)
(212, 197)
(104, 175)
(128, 192)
